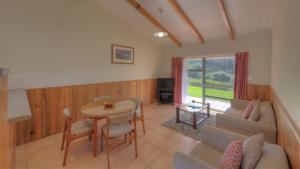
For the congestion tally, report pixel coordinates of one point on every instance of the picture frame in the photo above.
(122, 54)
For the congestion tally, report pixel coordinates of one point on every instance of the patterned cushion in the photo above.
(255, 114)
(233, 155)
(248, 110)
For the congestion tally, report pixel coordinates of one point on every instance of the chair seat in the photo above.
(138, 112)
(116, 130)
(81, 127)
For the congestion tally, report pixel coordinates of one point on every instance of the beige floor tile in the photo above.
(134, 164)
(164, 162)
(162, 142)
(58, 139)
(188, 141)
(36, 145)
(43, 153)
(21, 150)
(98, 162)
(21, 162)
(80, 149)
(54, 163)
(168, 133)
(155, 149)
(148, 153)
(178, 147)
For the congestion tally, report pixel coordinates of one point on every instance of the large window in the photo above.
(210, 79)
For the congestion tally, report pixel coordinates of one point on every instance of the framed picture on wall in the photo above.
(122, 54)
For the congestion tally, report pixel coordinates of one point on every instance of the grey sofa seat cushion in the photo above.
(81, 127)
(208, 154)
(274, 157)
(116, 130)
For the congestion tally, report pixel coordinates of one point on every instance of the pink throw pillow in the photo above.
(233, 155)
(248, 110)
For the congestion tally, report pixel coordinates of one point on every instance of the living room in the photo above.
(193, 84)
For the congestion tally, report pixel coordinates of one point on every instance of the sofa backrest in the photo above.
(267, 114)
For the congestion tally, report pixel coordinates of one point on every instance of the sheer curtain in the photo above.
(185, 83)
(241, 75)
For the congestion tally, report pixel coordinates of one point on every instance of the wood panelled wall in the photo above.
(7, 133)
(288, 135)
(46, 104)
(261, 92)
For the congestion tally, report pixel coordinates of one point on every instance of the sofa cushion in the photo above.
(255, 114)
(267, 115)
(252, 149)
(208, 154)
(274, 157)
(233, 155)
(234, 112)
(248, 109)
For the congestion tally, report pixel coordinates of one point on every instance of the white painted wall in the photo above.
(64, 42)
(257, 44)
(286, 55)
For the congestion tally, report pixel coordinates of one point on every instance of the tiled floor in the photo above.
(155, 149)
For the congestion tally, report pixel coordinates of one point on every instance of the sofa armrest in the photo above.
(246, 127)
(218, 138)
(239, 104)
(184, 161)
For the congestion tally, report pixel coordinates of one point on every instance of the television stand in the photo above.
(165, 96)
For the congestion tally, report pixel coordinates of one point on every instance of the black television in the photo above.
(165, 83)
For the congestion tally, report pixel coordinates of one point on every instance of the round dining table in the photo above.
(97, 111)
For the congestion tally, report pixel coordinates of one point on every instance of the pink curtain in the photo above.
(241, 75)
(177, 64)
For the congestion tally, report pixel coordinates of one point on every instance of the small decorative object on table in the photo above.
(108, 105)
(196, 110)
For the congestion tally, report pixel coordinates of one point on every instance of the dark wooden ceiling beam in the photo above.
(150, 18)
(178, 9)
(226, 19)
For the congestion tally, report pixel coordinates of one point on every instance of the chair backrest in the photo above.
(137, 101)
(103, 98)
(122, 118)
(68, 116)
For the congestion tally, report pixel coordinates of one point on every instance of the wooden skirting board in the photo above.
(261, 92)
(46, 104)
(288, 135)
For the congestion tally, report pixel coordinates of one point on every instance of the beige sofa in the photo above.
(232, 120)
(208, 153)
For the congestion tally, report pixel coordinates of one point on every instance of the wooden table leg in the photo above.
(208, 109)
(194, 120)
(177, 115)
(95, 130)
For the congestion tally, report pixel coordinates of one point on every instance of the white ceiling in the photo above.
(246, 16)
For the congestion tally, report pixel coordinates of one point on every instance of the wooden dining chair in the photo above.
(139, 112)
(117, 126)
(74, 130)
